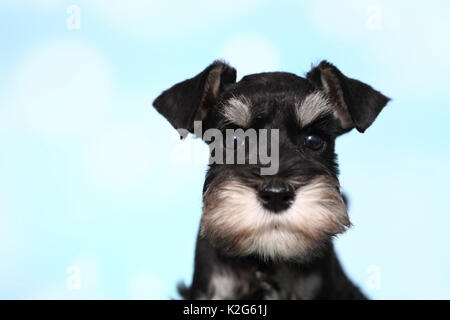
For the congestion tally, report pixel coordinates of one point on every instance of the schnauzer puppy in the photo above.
(267, 226)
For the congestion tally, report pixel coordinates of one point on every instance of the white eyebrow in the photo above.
(237, 110)
(314, 105)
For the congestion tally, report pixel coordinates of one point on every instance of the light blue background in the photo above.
(89, 177)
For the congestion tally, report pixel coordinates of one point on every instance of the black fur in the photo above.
(336, 285)
(180, 103)
(273, 97)
(363, 102)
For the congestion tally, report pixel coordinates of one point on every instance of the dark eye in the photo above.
(236, 142)
(314, 142)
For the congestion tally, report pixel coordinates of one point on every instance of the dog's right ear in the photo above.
(190, 100)
(357, 104)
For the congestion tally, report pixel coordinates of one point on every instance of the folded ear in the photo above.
(191, 99)
(357, 104)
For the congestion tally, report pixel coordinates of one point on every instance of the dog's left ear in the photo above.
(191, 99)
(356, 104)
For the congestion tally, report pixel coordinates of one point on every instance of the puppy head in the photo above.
(288, 212)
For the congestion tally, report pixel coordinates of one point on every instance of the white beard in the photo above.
(234, 217)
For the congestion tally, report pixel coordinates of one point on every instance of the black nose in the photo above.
(276, 195)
